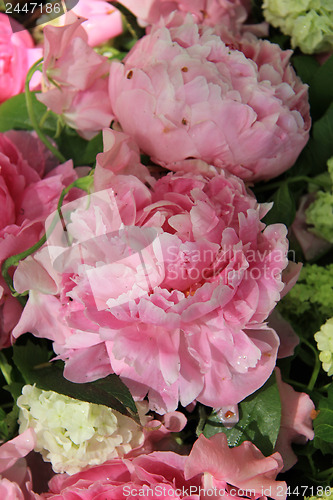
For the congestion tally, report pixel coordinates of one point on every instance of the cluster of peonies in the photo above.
(183, 92)
(202, 274)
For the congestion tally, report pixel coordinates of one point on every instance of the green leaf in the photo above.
(15, 389)
(280, 39)
(260, 416)
(256, 11)
(284, 208)
(3, 426)
(11, 422)
(5, 368)
(321, 89)
(8, 423)
(305, 66)
(322, 140)
(319, 149)
(323, 425)
(82, 152)
(32, 361)
(14, 115)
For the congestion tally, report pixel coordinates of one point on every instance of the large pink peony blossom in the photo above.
(211, 469)
(30, 187)
(237, 104)
(17, 54)
(169, 289)
(75, 79)
(230, 13)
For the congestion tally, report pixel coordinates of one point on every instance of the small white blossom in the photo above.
(73, 434)
(324, 339)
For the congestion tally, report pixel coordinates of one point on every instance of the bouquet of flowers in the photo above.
(166, 236)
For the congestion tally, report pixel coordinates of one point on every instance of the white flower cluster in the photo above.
(73, 434)
(324, 339)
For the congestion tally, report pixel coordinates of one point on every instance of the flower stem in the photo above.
(5, 369)
(13, 261)
(202, 420)
(316, 369)
(130, 21)
(83, 183)
(29, 96)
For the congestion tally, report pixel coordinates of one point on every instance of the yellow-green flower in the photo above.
(322, 497)
(309, 23)
(320, 212)
(324, 339)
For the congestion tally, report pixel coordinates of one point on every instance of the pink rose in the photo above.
(169, 288)
(80, 74)
(296, 421)
(30, 187)
(236, 104)
(17, 54)
(211, 466)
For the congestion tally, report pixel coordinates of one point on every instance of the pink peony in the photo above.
(169, 289)
(30, 187)
(296, 421)
(230, 13)
(184, 93)
(17, 54)
(211, 466)
(75, 78)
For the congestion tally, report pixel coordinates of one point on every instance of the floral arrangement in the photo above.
(166, 236)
